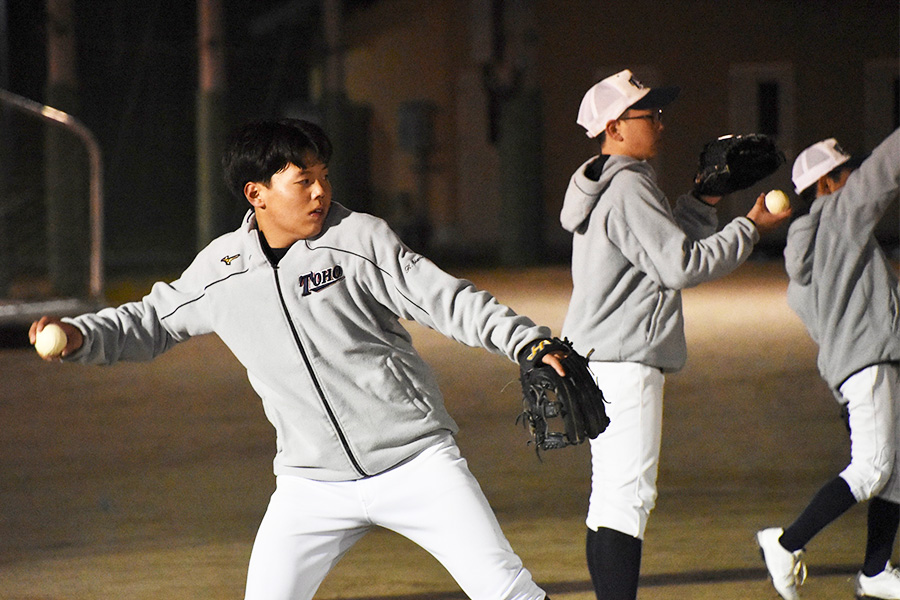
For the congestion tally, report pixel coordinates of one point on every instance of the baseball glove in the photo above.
(573, 403)
(735, 162)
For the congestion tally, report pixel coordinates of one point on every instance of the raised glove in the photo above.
(735, 162)
(559, 411)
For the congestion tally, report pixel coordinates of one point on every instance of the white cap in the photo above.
(607, 100)
(817, 160)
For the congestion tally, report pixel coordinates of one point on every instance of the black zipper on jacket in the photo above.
(315, 380)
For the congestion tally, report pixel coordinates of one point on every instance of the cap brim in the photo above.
(856, 160)
(657, 98)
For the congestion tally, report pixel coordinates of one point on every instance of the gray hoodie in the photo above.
(631, 256)
(841, 283)
(320, 337)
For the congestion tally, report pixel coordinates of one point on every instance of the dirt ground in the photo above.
(148, 481)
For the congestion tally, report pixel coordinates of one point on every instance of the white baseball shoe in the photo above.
(786, 569)
(884, 586)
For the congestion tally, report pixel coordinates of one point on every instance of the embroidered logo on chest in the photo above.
(318, 281)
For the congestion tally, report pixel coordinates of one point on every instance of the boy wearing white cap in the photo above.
(846, 292)
(632, 254)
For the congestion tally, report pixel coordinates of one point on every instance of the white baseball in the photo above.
(777, 202)
(50, 341)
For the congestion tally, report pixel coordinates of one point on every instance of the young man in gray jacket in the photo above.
(846, 292)
(308, 295)
(631, 257)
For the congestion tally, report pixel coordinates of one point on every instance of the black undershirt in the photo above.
(595, 168)
(273, 254)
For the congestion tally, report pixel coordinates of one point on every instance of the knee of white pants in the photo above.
(625, 508)
(630, 520)
(871, 395)
(625, 458)
(866, 478)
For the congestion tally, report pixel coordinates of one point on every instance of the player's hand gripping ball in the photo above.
(50, 341)
(559, 411)
(777, 202)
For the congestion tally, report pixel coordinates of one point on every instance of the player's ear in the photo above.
(253, 194)
(823, 186)
(833, 184)
(612, 131)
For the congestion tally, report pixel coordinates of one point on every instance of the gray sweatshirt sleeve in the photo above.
(646, 232)
(142, 330)
(130, 332)
(414, 288)
(869, 190)
(697, 219)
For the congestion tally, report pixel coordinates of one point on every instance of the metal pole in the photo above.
(212, 197)
(96, 184)
(333, 13)
(6, 244)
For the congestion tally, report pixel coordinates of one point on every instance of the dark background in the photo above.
(137, 69)
(137, 91)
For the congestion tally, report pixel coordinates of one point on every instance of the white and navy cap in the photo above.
(607, 100)
(817, 160)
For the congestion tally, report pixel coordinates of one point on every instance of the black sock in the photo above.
(884, 518)
(833, 500)
(614, 561)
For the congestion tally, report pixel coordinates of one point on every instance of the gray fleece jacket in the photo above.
(320, 337)
(841, 284)
(632, 254)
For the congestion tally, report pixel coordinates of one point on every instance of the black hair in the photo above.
(804, 203)
(851, 164)
(808, 196)
(259, 149)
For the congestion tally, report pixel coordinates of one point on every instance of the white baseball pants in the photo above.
(431, 499)
(625, 457)
(873, 397)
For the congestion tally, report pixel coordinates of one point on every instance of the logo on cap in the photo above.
(633, 81)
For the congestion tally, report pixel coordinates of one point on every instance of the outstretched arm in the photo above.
(870, 189)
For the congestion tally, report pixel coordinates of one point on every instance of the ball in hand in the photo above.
(777, 202)
(50, 341)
